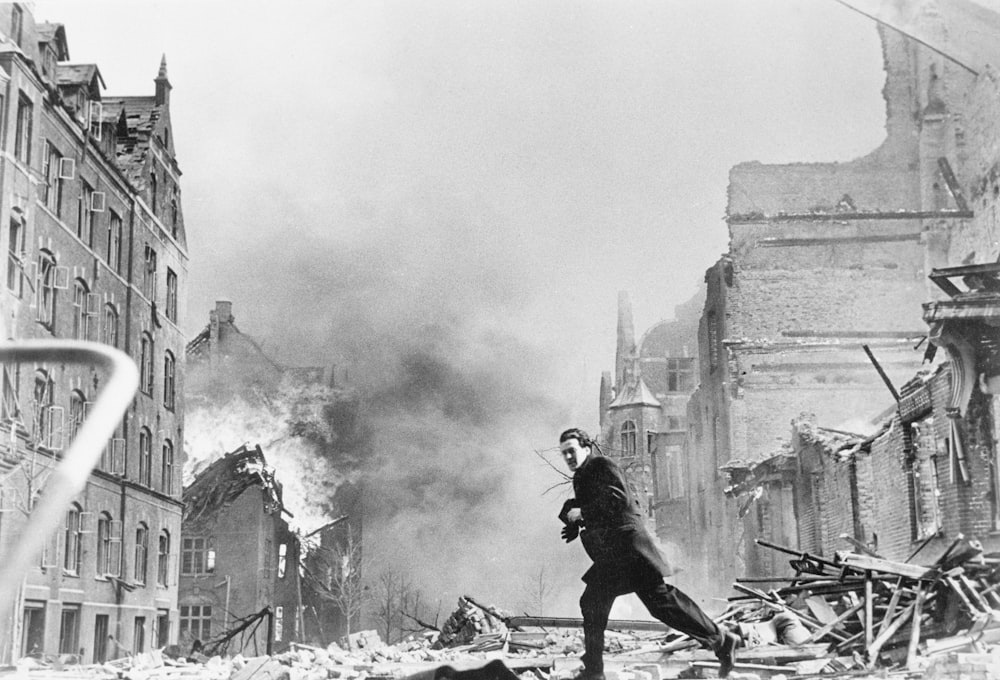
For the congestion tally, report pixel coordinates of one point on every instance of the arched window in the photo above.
(115, 242)
(45, 290)
(81, 315)
(628, 438)
(141, 552)
(146, 364)
(109, 542)
(167, 467)
(145, 456)
(110, 325)
(77, 412)
(169, 374)
(163, 559)
(47, 416)
(72, 540)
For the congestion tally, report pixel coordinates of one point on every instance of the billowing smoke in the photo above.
(453, 397)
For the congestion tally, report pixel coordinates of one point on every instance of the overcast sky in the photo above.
(565, 150)
(447, 196)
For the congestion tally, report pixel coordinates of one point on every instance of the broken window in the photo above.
(77, 412)
(22, 134)
(69, 630)
(139, 635)
(628, 438)
(282, 559)
(47, 420)
(86, 218)
(33, 628)
(680, 375)
(81, 315)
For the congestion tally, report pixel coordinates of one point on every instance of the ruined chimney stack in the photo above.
(224, 311)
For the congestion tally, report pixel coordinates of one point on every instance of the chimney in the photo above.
(163, 86)
(224, 311)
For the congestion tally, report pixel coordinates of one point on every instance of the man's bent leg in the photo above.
(673, 607)
(595, 605)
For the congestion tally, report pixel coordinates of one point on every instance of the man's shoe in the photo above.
(726, 653)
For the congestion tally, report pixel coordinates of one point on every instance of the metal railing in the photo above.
(71, 473)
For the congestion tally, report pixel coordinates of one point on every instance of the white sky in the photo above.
(565, 150)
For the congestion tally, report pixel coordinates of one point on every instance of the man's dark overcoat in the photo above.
(614, 534)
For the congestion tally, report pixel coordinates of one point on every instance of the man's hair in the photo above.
(579, 435)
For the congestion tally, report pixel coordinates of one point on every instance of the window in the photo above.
(77, 412)
(69, 630)
(22, 139)
(86, 218)
(115, 242)
(712, 325)
(81, 313)
(171, 310)
(146, 364)
(72, 536)
(52, 190)
(675, 423)
(163, 559)
(15, 253)
(139, 635)
(162, 628)
(628, 438)
(169, 368)
(11, 396)
(141, 552)
(101, 631)
(49, 62)
(167, 467)
(149, 273)
(109, 542)
(173, 214)
(152, 192)
(16, 24)
(110, 326)
(45, 290)
(680, 375)
(145, 456)
(197, 556)
(47, 422)
(196, 622)
(33, 628)
(282, 559)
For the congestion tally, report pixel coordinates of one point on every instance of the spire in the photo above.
(163, 85)
(626, 338)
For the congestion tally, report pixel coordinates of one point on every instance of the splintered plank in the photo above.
(865, 562)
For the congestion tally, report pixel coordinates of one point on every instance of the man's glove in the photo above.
(567, 506)
(570, 532)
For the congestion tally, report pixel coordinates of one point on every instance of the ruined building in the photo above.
(826, 259)
(239, 559)
(92, 228)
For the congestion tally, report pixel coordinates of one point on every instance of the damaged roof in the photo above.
(135, 118)
(49, 32)
(225, 480)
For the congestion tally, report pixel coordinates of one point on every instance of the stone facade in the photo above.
(95, 249)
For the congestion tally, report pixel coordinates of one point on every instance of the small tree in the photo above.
(536, 589)
(338, 576)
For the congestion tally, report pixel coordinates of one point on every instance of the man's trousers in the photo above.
(665, 602)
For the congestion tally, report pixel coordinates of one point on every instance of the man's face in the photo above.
(573, 453)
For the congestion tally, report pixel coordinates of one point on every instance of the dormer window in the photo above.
(16, 24)
(49, 62)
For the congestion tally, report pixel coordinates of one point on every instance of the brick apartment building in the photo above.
(92, 228)
(238, 558)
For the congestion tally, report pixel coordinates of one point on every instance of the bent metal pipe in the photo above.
(70, 475)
